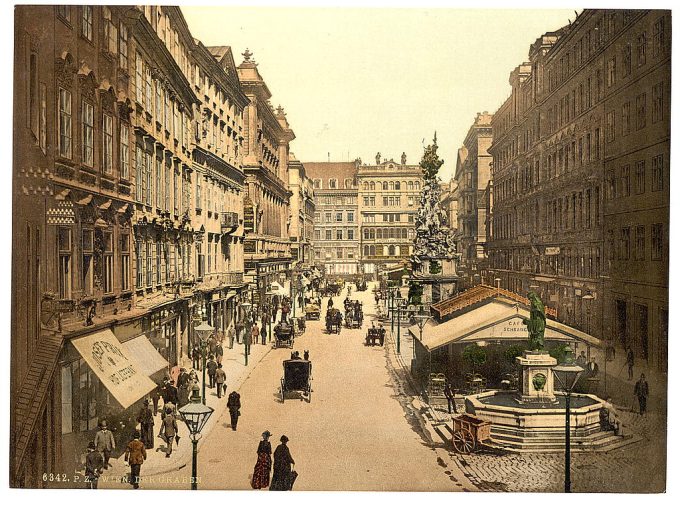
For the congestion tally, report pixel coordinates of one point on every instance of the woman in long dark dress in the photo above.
(282, 480)
(263, 467)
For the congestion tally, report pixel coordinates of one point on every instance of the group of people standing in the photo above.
(284, 466)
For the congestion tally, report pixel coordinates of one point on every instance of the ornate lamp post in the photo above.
(248, 326)
(392, 296)
(399, 306)
(203, 331)
(566, 375)
(195, 416)
(421, 320)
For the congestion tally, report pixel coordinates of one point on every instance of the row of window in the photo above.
(619, 182)
(387, 251)
(338, 200)
(98, 249)
(658, 113)
(340, 234)
(329, 216)
(388, 233)
(581, 262)
(333, 183)
(324, 254)
(621, 246)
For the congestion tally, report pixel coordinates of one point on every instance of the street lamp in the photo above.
(421, 320)
(204, 331)
(399, 305)
(566, 375)
(195, 416)
(246, 339)
(272, 312)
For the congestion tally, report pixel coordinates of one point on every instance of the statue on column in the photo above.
(536, 322)
(377, 158)
(403, 158)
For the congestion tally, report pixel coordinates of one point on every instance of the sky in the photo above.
(357, 81)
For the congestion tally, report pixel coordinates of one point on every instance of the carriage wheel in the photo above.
(463, 441)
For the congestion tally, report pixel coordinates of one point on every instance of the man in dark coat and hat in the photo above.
(284, 475)
(234, 406)
(145, 420)
(94, 464)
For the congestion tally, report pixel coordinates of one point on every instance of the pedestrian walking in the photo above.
(263, 466)
(284, 468)
(169, 429)
(254, 333)
(240, 327)
(155, 397)
(263, 332)
(196, 356)
(135, 454)
(630, 361)
(220, 379)
(219, 352)
(212, 368)
(234, 406)
(104, 442)
(94, 465)
(231, 334)
(642, 393)
(145, 420)
(448, 392)
(170, 395)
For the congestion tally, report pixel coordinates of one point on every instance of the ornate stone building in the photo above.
(302, 213)
(473, 171)
(128, 211)
(336, 217)
(387, 201)
(580, 177)
(267, 202)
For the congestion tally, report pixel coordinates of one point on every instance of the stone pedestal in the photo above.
(536, 378)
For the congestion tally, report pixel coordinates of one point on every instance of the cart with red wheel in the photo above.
(469, 433)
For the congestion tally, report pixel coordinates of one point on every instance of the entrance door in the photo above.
(642, 331)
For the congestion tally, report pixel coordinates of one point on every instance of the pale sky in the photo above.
(357, 81)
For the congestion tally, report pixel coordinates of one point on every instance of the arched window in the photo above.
(384, 185)
(397, 185)
(379, 235)
(317, 183)
(371, 250)
(417, 184)
(391, 251)
(348, 182)
(397, 250)
(372, 185)
(410, 185)
(365, 185)
(332, 183)
(391, 185)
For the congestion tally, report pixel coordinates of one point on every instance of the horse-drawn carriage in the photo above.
(297, 377)
(284, 334)
(312, 311)
(375, 334)
(333, 320)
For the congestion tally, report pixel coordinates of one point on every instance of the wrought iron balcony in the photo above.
(229, 221)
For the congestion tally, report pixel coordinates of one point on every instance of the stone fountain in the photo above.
(531, 419)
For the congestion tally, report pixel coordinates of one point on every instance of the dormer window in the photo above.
(332, 183)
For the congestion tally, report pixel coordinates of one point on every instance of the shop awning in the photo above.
(497, 320)
(115, 366)
(146, 355)
(230, 295)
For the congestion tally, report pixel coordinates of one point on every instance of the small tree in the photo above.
(475, 355)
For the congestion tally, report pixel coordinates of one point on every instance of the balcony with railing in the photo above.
(229, 221)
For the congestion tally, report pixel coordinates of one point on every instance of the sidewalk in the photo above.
(156, 462)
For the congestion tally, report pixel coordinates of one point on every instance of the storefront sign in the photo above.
(114, 366)
(552, 250)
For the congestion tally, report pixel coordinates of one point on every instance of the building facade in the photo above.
(473, 171)
(580, 169)
(267, 216)
(129, 208)
(302, 213)
(336, 218)
(388, 198)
